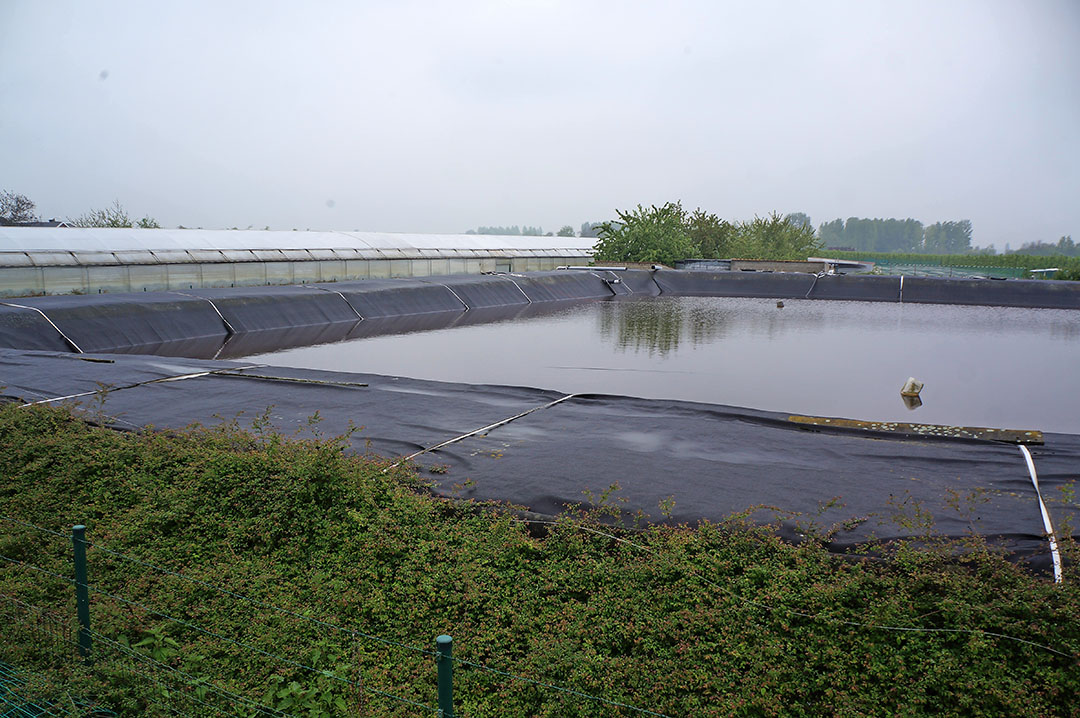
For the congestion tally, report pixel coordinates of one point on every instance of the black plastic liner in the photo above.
(483, 292)
(636, 281)
(274, 340)
(253, 309)
(29, 329)
(1036, 293)
(734, 284)
(378, 298)
(241, 345)
(506, 290)
(863, 288)
(872, 288)
(564, 285)
(709, 460)
(115, 322)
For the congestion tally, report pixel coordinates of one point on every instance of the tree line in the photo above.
(527, 231)
(1064, 247)
(897, 235)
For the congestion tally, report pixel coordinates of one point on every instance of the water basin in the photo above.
(999, 367)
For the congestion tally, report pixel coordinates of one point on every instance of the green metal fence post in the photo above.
(444, 646)
(82, 593)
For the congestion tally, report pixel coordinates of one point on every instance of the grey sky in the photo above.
(438, 117)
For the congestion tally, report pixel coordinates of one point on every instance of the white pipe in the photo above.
(1045, 514)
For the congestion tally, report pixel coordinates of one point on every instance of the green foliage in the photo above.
(1065, 247)
(668, 233)
(591, 229)
(566, 231)
(774, 237)
(897, 235)
(156, 644)
(710, 620)
(799, 219)
(712, 236)
(646, 234)
(315, 695)
(947, 237)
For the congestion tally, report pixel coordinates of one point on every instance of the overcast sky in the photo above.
(439, 117)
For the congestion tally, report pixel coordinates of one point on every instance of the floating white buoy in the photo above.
(911, 387)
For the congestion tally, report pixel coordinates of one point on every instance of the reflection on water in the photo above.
(659, 326)
(982, 366)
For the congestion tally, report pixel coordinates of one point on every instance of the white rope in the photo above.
(216, 310)
(456, 297)
(519, 289)
(1049, 527)
(817, 276)
(481, 430)
(334, 291)
(175, 377)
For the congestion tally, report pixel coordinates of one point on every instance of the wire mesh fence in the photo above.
(143, 650)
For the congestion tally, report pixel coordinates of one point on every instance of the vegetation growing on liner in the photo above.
(707, 620)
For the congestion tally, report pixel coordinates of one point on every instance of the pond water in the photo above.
(982, 366)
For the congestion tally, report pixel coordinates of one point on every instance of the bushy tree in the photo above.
(947, 237)
(799, 219)
(668, 233)
(590, 229)
(713, 237)
(774, 237)
(832, 234)
(646, 234)
(566, 231)
(16, 208)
